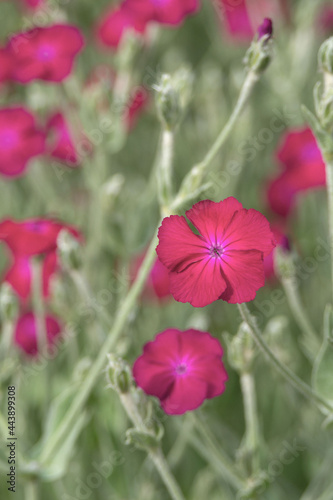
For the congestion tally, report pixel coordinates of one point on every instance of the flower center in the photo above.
(216, 251)
(181, 369)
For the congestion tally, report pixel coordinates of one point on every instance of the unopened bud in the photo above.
(173, 96)
(241, 349)
(284, 263)
(119, 374)
(141, 440)
(259, 54)
(325, 56)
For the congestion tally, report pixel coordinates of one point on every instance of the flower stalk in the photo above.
(321, 403)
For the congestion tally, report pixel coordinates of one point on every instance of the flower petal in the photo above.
(179, 246)
(188, 393)
(200, 284)
(249, 230)
(244, 274)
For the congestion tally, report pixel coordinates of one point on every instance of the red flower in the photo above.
(281, 241)
(135, 107)
(27, 239)
(115, 23)
(45, 53)
(158, 283)
(61, 145)
(182, 369)
(26, 332)
(20, 140)
(303, 169)
(224, 261)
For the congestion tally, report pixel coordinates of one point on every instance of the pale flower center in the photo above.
(8, 139)
(181, 369)
(216, 251)
(46, 53)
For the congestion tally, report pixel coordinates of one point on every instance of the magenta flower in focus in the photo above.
(61, 144)
(28, 239)
(20, 140)
(182, 369)
(303, 169)
(224, 261)
(45, 53)
(25, 335)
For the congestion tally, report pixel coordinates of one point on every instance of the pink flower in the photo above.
(303, 169)
(281, 241)
(28, 239)
(325, 21)
(182, 369)
(224, 261)
(20, 140)
(169, 12)
(26, 333)
(241, 18)
(115, 23)
(45, 53)
(265, 28)
(61, 145)
(158, 283)
(135, 107)
(33, 4)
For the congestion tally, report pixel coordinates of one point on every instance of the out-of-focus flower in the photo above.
(34, 237)
(241, 19)
(224, 261)
(136, 14)
(281, 241)
(168, 12)
(115, 23)
(5, 65)
(303, 169)
(60, 140)
(20, 140)
(33, 4)
(325, 20)
(137, 104)
(182, 369)
(158, 283)
(26, 332)
(45, 53)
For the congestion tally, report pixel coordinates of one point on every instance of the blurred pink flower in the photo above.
(325, 20)
(224, 261)
(20, 140)
(303, 169)
(25, 335)
(27, 239)
(33, 4)
(60, 140)
(45, 53)
(137, 104)
(157, 284)
(115, 23)
(182, 369)
(281, 241)
(136, 14)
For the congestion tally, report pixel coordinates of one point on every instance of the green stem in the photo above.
(155, 454)
(38, 306)
(246, 90)
(95, 370)
(218, 460)
(164, 172)
(7, 336)
(300, 315)
(329, 184)
(252, 434)
(31, 490)
(193, 179)
(289, 375)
